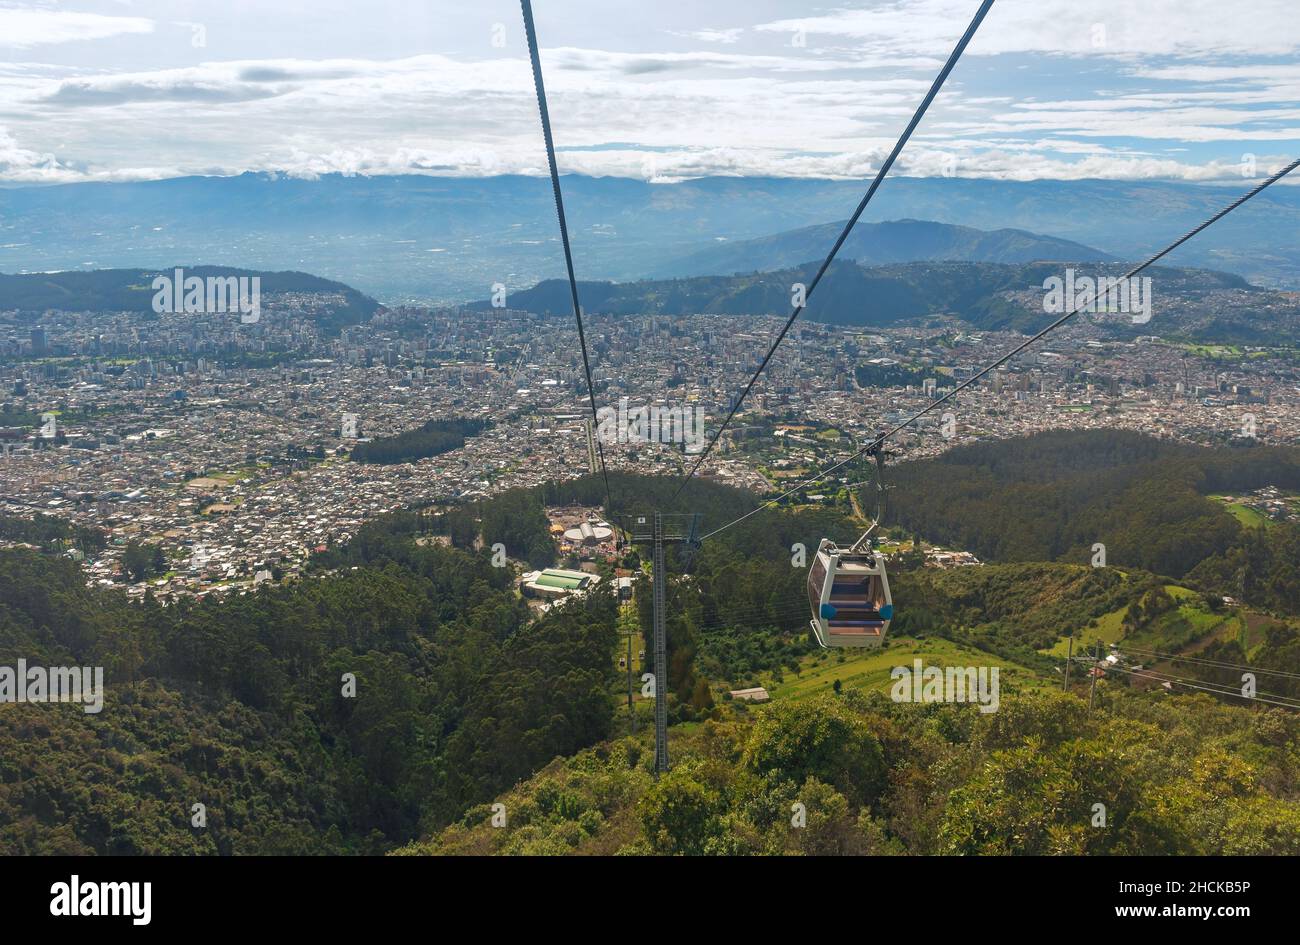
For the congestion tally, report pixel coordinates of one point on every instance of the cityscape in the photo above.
(545, 428)
(237, 470)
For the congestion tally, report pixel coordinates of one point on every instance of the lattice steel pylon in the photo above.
(655, 530)
(661, 649)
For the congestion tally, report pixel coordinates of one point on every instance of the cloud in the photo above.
(726, 37)
(27, 166)
(21, 29)
(631, 64)
(1036, 162)
(107, 92)
(1097, 29)
(217, 82)
(756, 107)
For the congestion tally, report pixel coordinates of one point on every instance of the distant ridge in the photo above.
(893, 241)
(1190, 303)
(444, 239)
(130, 290)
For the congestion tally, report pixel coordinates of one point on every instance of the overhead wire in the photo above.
(778, 614)
(1174, 657)
(936, 404)
(1267, 697)
(848, 228)
(535, 55)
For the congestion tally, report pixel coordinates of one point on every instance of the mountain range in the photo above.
(131, 290)
(894, 241)
(442, 239)
(1187, 303)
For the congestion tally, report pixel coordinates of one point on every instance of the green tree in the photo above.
(822, 738)
(135, 561)
(680, 813)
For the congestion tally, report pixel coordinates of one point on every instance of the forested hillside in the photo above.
(1211, 305)
(428, 439)
(131, 290)
(241, 706)
(889, 241)
(1052, 496)
(1177, 774)
(870, 776)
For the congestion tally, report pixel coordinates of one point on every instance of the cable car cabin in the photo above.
(849, 594)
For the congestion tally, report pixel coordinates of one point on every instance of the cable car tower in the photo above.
(655, 529)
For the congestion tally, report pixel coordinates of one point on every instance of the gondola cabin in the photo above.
(849, 594)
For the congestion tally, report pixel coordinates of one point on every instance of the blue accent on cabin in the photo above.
(887, 612)
(828, 611)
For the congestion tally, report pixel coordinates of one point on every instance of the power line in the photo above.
(822, 474)
(1209, 686)
(1198, 684)
(1172, 657)
(535, 56)
(848, 227)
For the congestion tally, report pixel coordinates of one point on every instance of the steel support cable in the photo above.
(848, 228)
(1225, 689)
(1203, 687)
(822, 474)
(535, 56)
(1216, 664)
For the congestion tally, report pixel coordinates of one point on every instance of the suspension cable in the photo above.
(1267, 697)
(848, 227)
(1216, 664)
(535, 56)
(934, 405)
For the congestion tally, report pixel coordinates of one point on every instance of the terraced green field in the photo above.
(1108, 628)
(1190, 625)
(870, 669)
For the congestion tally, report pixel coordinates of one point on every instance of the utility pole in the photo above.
(661, 650)
(1092, 690)
(1068, 660)
(631, 712)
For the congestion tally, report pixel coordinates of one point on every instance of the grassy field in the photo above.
(1248, 517)
(1232, 352)
(1215, 352)
(869, 669)
(1107, 628)
(1189, 626)
(1254, 628)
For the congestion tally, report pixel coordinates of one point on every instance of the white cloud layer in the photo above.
(1164, 90)
(23, 28)
(1098, 28)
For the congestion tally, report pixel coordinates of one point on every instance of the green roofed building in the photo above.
(556, 582)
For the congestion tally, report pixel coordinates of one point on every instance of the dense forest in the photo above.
(244, 705)
(1052, 496)
(852, 773)
(891, 375)
(429, 439)
(47, 531)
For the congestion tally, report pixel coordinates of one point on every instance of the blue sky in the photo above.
(1196, 90)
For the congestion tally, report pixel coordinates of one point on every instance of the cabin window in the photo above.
(816, 582)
